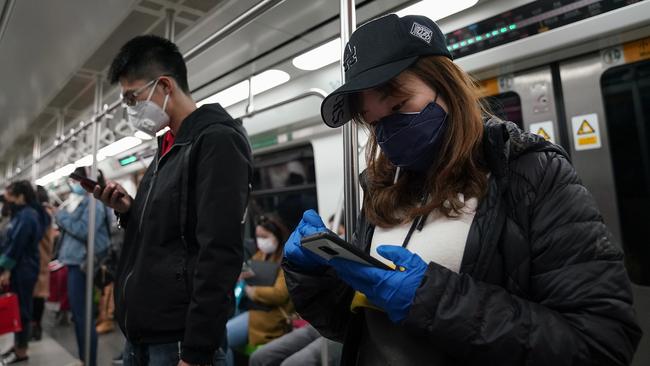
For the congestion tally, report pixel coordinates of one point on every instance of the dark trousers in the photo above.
(167, 354)
(77, 298)
(22, 285)
(39, 308)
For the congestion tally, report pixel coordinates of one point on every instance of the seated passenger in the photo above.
(503, 256)
(303, 346)
(268, 299)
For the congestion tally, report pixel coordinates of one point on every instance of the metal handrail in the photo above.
(238, 23)
(5, 15)
(313, 92)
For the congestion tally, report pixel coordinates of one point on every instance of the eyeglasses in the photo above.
(130, 97)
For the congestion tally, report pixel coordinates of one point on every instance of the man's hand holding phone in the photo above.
(114, 196)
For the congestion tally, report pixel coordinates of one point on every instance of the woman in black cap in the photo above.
(503, 255)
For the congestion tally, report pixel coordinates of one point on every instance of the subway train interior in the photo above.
(576, 72)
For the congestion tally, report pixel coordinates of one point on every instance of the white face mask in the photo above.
(267, 245)
(147, 116)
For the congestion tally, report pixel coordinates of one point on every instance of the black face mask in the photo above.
(412, 140)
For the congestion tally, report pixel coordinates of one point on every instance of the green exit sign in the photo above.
(128, 160)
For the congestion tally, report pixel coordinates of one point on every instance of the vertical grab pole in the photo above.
(36, 155)
(170, 29)
(350, 136)
(350, 149)
(92, 211)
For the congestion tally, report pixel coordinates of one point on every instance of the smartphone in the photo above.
(327, 246)
(87, 183)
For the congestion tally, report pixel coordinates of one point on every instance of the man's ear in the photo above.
(168, 84)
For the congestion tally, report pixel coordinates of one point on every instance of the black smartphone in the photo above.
(87, 183)
(327, 245)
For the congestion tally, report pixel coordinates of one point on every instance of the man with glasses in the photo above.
(182, 250)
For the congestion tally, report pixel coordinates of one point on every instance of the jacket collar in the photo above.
(198, 120)
(503, 141)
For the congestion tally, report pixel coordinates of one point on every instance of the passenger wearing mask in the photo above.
(72, 219)
(45, 248)
(503, 255)
(183, 245)
(19, 265)
(269, 304)
(302, 346)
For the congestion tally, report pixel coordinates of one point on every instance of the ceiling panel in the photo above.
(134, 24)
(39, 60)
(71, 90)
(202, 5)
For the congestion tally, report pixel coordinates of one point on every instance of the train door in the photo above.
(607, 102)
(527, 99)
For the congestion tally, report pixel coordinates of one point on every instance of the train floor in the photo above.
(58, 347)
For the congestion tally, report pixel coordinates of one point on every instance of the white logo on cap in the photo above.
(422, 32)
(350, 57)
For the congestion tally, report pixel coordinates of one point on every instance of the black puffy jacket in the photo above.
(541, 281)
(171, 288)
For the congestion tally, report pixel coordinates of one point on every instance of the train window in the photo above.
(506, 106)
(284, 184)
(626, 93)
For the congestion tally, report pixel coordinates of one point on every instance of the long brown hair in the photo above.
(458, 168)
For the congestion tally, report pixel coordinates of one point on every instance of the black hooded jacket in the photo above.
(541, 281)
(171, 288)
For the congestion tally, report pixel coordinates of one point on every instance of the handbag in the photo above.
(9, 314)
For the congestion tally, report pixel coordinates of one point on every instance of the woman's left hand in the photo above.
(394, 290)
(249, 291)
(5, 278)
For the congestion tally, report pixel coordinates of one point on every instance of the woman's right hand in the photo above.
(299, 257)
(114, 196)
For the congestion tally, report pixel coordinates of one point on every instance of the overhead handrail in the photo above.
(313, 92)
(236, 24)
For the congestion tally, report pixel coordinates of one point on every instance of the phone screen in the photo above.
(327, 245)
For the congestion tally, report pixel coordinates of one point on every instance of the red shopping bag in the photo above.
(9, 314)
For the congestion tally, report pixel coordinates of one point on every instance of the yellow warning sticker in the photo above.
(544, 129)
(585, 128)
(586, 132)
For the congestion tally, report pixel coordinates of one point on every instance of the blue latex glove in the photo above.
(392, 291)
(299, 257)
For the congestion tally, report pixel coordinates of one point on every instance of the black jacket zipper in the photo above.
(144, 209)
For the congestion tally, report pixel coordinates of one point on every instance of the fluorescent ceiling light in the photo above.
(320, 56)
(437, 9)
(120, 146)
(267, 80)
(142, 135)
(88, 160)
(46, 179)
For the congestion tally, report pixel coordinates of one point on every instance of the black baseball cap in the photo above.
(377, 52)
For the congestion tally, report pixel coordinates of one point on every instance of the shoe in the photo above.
(6, 354)
(119, 360)
(106, 326)
(12, 358)
(37, 332)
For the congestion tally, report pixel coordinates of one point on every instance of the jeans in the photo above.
(237, 328)
(77, 298)
(301, 347)
(166, 354)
